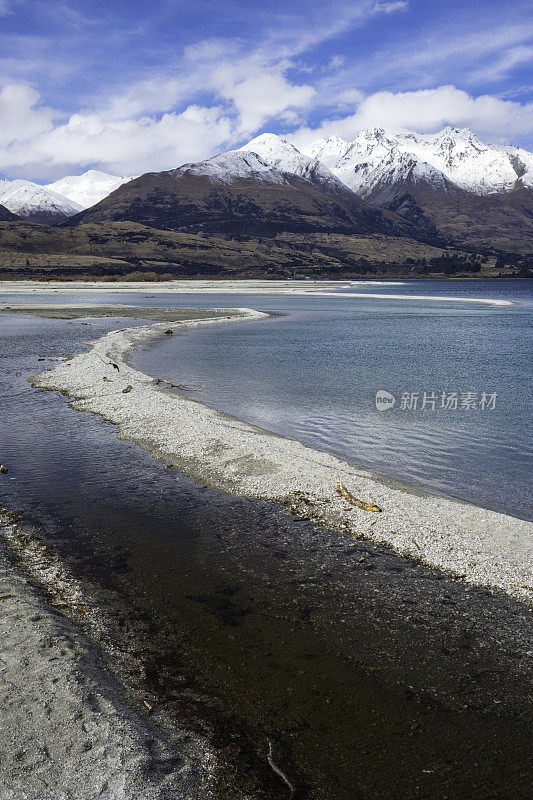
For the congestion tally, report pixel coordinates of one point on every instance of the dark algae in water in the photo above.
(375, 678)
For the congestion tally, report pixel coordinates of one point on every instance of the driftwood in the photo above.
(354, 501)
(182, 386)
(278, 771)
(108, 363)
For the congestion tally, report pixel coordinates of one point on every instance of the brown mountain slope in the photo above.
(6, 215)
(244, 206)
(119, 248)
(495, 222)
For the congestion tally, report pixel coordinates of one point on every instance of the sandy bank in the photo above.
(318, 288)
(483, 547)
(186, 286)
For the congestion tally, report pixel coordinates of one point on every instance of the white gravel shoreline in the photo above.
(482, 547)
(323, 288)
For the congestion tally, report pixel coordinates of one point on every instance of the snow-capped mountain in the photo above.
(89, 188)
(402, 169)
(230, 167)
(376, 156)
(354, 162)
(467, 161)
(36, 203)
(240, 193)
(283, 156)
(266, 159)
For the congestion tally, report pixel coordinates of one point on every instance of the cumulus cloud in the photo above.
(35, 142)
(33, 145)
(21, 117)
(262, 96)
(428, 110)
(139, 130)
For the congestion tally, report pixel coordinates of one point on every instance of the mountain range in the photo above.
(453, 156)
(54, 202)
(448, 187)
(444, 190)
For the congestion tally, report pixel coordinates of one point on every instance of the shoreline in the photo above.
(430, 656)
(87, 737)
(483, 548)
(290, 287)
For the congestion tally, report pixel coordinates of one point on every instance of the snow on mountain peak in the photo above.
(277, 152)
(280, 154)
(455, 154)
(31, 201)
(89, 188)
(231, 166)
(327, 150)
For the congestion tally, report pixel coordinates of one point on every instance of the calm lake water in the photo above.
(313, 373)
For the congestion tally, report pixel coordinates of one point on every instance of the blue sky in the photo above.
(130, 86)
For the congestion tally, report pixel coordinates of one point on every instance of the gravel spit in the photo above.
(479, 546)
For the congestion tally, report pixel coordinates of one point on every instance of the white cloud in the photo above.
(336, 62)
(253, 85)
(390, 8)
(433, 56)
(37, 144)
(150, 96)
(21, 118)
(262, 96)
(127, 146)
(498, 69)
(429, 110)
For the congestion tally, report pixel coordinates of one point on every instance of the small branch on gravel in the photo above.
(354, 501)
(278, 771)
(108, 363)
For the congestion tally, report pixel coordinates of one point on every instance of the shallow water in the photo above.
(243, 621)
